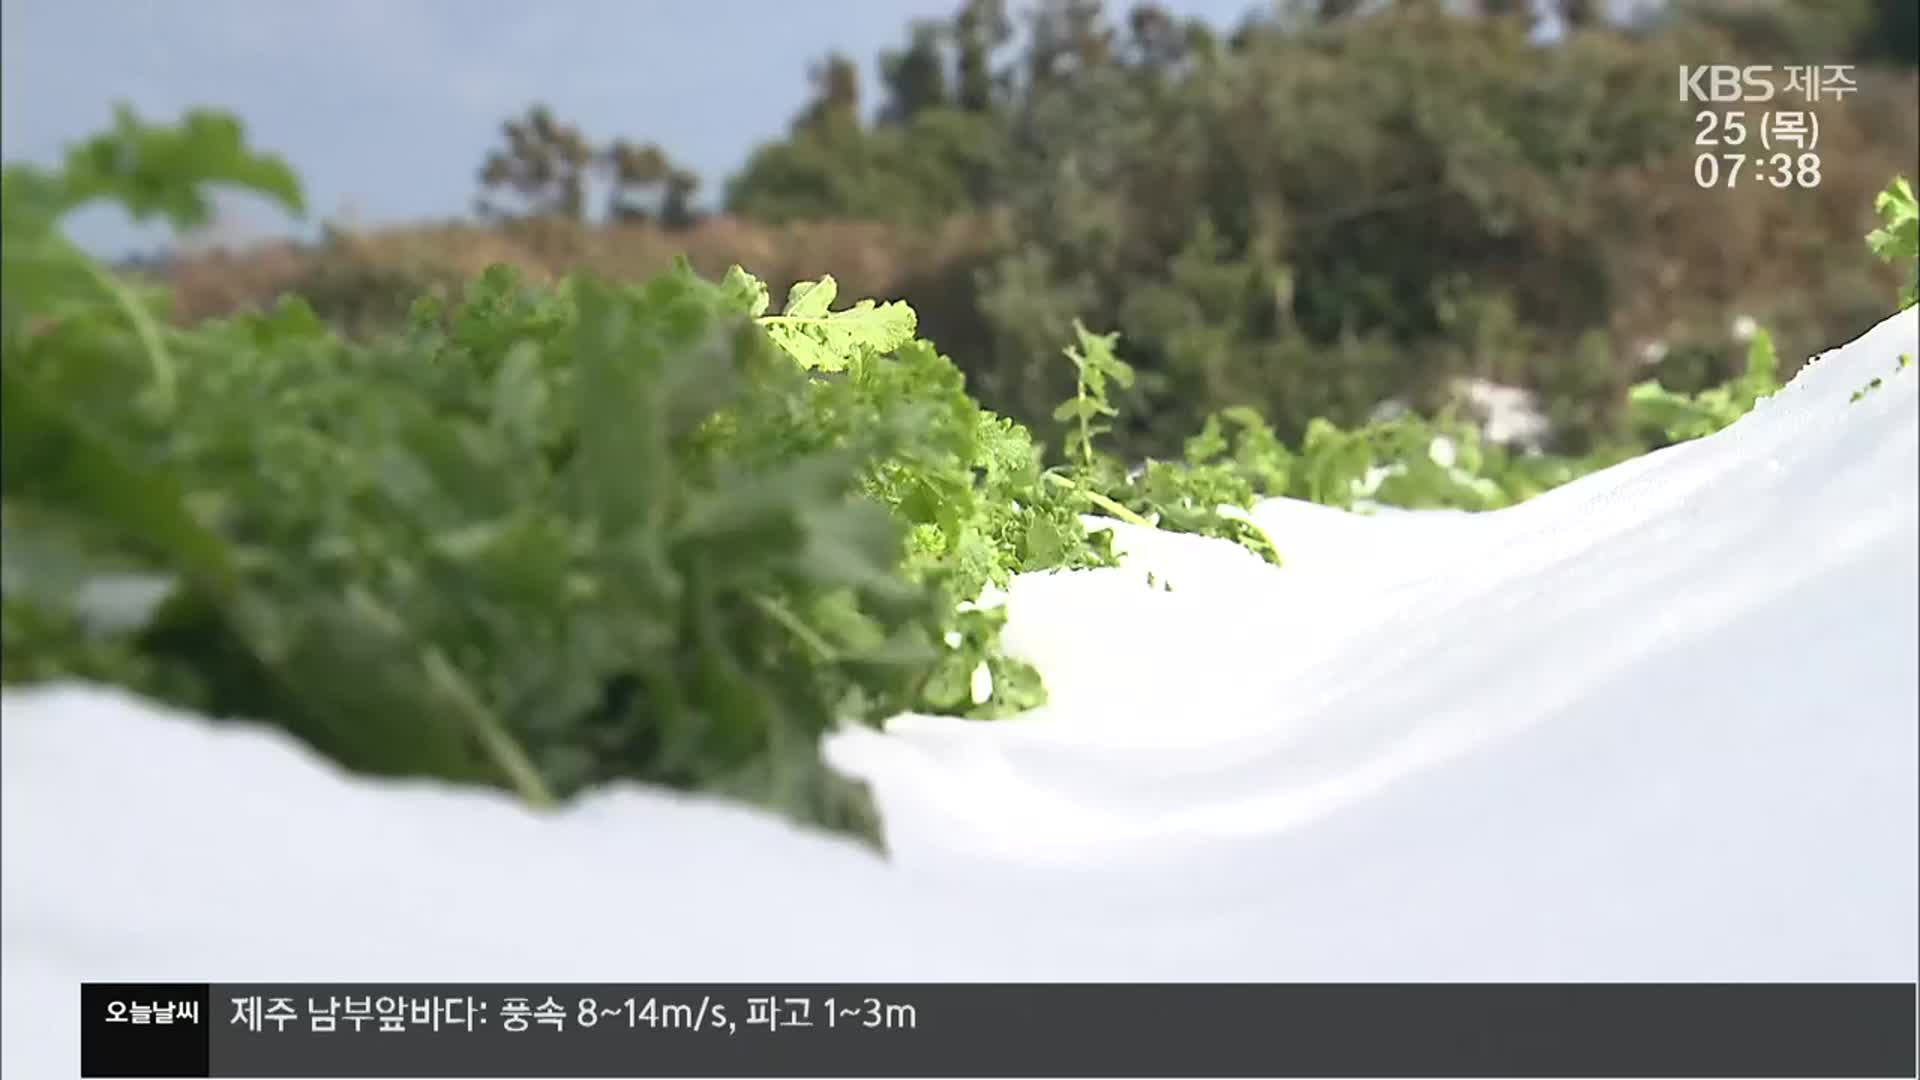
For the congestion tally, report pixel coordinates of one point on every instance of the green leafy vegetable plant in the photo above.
(1690, 416)
(1898, 237)
(544, 539)
(549, 537)
(1903, 363)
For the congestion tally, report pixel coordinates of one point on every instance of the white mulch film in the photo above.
(1656, 725)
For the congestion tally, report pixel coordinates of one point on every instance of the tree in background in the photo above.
(1579, 14)
(933, 151)
(980, 31)
(1330, 204)
(1881, 32)
(1065, 37)
(648, 186)
(1893, 37)
(546, 167)
(915, 77)
(1521, 10)
(945, 132)
(836, 101)
(1244, 213)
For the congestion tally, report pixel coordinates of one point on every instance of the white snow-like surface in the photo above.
(1658, 724)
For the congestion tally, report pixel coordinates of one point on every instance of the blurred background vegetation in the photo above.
(1334, 205)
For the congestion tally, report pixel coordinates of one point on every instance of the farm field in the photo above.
(1630, 730)
(1367, 493)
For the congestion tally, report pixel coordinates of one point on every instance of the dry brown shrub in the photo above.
(869, 259)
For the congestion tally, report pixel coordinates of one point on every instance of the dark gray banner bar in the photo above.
(503, 1030)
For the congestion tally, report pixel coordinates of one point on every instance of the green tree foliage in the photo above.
(980, 31)
(1245, 217)
(916, 77)
(836, 101)
(1065, 37)
(925, 162)
(1241, 210)
(1817, 31)
(1333, 205)
(939, 145)
(1893, 35)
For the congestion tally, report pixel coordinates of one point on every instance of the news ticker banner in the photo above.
(951, 1030)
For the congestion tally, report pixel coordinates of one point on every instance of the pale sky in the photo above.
(387, 107)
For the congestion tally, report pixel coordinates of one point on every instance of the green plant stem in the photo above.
(506, 753)
(164, 375)
(1101, 501)
(798, 629)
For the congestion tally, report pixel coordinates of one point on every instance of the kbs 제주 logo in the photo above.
(1777, 146)
(1726, 82)
(1755, 84)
